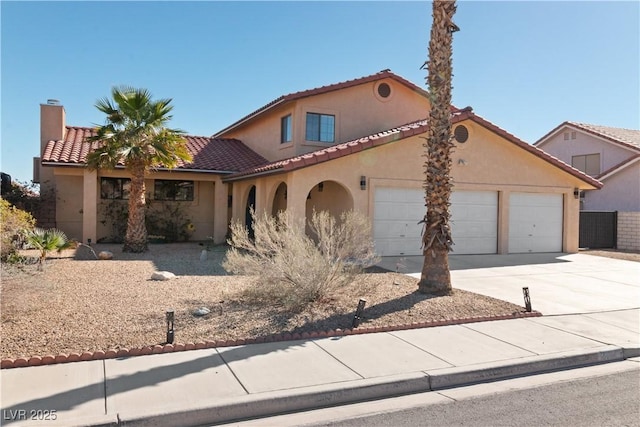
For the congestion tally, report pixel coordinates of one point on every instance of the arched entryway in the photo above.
(251, 206)
(328, 196)
(279, 199)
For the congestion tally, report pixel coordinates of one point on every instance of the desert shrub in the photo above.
(114, 214)
(165, 221)
(13, 224)
(24, 195)
(168, 219)
(46, 241)
(293, 269)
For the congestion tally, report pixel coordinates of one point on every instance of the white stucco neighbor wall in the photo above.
(621, 192)
(610, 154)
(629, 231)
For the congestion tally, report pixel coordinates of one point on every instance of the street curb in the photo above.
(314, 397)
(494, 371)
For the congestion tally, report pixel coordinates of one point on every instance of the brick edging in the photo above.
(21, 362)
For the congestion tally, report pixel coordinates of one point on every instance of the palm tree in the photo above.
(135, 136)
(46, 241)
(436, 237)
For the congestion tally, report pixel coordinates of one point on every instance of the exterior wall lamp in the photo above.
(363, 182)
(576, 193)
(320, 187)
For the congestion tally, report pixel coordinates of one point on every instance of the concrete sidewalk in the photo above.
(591, 308)
(216, 385)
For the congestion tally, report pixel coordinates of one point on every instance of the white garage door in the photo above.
(396, 214)
(535, 222)
(474, 222)
(474, 218)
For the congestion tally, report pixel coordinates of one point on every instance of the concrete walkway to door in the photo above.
(558, 283)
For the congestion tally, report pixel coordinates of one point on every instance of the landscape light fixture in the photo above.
(358, 316)
(170, 334)
(527, 299)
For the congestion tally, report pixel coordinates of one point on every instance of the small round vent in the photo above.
(461, 134)
(384, 90)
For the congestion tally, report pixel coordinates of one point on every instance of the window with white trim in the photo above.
(587, 163)
(320, 127)
(285, 129)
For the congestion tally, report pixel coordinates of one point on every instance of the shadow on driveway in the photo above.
(413, 264)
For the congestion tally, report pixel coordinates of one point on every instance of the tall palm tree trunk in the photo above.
(436, 238)
(135, 239)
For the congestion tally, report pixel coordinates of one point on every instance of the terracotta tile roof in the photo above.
(629, 138)
(209, 154)
(320, 90)
(396, 134)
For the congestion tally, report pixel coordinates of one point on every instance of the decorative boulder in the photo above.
(163, 275)
(85, 253)
(105, 255)
(202, 311)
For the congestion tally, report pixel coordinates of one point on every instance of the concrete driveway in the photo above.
(558, 283)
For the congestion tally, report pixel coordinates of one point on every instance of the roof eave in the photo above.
(252, 175)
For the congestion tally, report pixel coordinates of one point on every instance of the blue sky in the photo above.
(525, 66)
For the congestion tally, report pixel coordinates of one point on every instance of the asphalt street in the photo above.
(604, 395)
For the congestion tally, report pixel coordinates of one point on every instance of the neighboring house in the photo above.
(351, 145)
(611, 155)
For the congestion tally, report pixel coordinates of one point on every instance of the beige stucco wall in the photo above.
(358, 112)
(69, 208)
(485, 162)
(80, 210)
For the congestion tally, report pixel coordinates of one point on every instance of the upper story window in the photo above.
(173, 190)
(115, 188)
(320, 127)
(285, 129)
(588, 163)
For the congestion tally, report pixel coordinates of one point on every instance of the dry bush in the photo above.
(293, 269)
(13, 224)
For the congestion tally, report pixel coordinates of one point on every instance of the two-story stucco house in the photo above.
(611, 155)
(358, 145)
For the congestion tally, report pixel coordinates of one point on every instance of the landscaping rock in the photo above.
(202, 311)
(163, 275)
(105, 255)
(84, 253)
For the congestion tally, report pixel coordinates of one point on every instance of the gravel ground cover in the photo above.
(89, 305)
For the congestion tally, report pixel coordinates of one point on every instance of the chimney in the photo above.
(52, 128)
(52, 122)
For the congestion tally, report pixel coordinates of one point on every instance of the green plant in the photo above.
(294, 269)
(46, 241)
(165, 221)
(13, 223)
(168, 219)
(135, 134)
(114, 216)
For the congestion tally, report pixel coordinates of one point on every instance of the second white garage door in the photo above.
(397, 211)
(535, 222)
